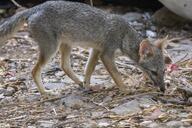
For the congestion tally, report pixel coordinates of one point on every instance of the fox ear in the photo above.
(145, 49)
(161, 43)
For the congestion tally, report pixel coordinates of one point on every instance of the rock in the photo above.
(54, 86)
(59, 73)
(30, 97)
(153, 28)
(186, 91)
(74, 101)
(146, 102)
(90, 124)
(155, 125)
(2, 90)
(183, 114)
(13, 79)
(45, 124)
(103, 123)
(9, 91)
(97, 114)
(164, 17)
(127, 108)
(150, 33)
(107, 99)
(4, 125)
(180, 7)
(2, 96)
(138, 26)
(31, 127)
(123, 124)
(6, 100)
(178, 51)
(133, 16)
(174, 124)
(146, 123)
(190, 99)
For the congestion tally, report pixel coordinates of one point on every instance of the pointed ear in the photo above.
(161, 43)
(145, 49)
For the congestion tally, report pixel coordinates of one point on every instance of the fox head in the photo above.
(152, 61)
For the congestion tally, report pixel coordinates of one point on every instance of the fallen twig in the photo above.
(163, 100)
(100, 105)
(181, 59)
(91, 2)
(16, 4)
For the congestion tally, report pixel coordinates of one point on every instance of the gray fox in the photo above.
(62, 25)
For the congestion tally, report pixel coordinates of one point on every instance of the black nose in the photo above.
(160, 84)
(161, 87)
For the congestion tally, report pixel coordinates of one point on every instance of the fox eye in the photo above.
(154, 73)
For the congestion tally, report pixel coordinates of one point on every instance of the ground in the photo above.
(144, 106)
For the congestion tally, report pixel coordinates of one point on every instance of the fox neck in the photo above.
(130, 45)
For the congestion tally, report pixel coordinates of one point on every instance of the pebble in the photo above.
(150, 33)
(97, 114)
(4, 125)
(30, 97)
(146, 123)
(146, 102)
(6, 100)
(190, 99)
(31, 127)
(153, 125)
(73, 101)
(9, 91)
(132, 16)
(174, 124)
(127, 108)
(103, 123)
(2, 90)
(2, 96)
(90, 124)
(59, 73)
(45, 124)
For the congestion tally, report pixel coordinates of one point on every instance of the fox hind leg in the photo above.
(90, 66)
(48, 46)
(44, 57)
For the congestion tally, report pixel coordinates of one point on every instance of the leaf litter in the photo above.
(144, 106)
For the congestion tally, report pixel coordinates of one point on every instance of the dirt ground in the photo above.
(22, 106)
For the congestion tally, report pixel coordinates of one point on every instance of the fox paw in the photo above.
(81, 84)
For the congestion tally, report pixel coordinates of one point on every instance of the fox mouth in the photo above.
(160, 85)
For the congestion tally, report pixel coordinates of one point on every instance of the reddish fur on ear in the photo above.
(145, 49)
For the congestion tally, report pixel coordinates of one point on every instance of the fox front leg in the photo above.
(108, 61)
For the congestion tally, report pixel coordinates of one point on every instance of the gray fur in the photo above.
(77, 24)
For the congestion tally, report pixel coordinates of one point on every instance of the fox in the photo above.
(62, 25)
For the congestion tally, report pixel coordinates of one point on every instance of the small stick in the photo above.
(175, 39)
(180, 60)
(100, 105)
(91, 2)
(16, 4)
